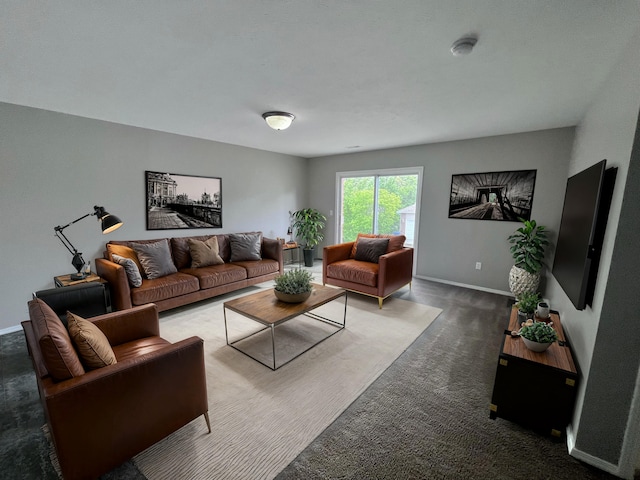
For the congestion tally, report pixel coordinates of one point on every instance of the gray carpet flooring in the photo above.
(425, 417)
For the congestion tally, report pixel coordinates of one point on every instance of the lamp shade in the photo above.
(109, 222)
(278, 120)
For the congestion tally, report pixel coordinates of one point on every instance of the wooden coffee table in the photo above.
(264, 308)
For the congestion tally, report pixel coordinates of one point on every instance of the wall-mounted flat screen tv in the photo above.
(584, 218)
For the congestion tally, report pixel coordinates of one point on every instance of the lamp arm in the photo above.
(65, 241)
(59, 228)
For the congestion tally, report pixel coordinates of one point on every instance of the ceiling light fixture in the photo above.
(278, 120)
(463, 46)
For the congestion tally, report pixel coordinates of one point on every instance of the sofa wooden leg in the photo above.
(206, 419)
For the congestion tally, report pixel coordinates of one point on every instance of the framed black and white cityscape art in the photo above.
(505, 196)
(183, 201)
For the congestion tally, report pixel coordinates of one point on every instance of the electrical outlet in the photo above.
(478, 265)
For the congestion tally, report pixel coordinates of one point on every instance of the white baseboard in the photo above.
(15, 328)
(473, 287)
(590, 459)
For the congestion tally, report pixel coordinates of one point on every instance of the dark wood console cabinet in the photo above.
(536, 390)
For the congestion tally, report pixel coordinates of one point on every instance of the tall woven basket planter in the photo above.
(521, 281)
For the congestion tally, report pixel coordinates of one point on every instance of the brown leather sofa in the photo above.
(393, 270)
(188, 284)
(100, 418)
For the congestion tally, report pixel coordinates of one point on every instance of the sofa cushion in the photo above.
(93, 346)
(155, 258)
(260, 267)
(174, 285)
(180, 250)
(58, 354)
(130, 267)
(139, 347)
(245, 246)
(370, 249)
(396, 242)
(217, 275)
(364, 273)
(123, 251)
(204, 254)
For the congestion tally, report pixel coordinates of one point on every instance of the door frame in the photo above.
(418, 170)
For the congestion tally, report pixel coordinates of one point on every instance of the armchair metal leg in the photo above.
(380, 300)
(206, 419)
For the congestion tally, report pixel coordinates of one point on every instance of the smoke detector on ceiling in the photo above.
(463, 46)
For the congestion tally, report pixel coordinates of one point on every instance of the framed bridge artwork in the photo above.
(183, 201)
(505, 196)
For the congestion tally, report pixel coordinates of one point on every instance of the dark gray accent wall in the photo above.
(616, 357)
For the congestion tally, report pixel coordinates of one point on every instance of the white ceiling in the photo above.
(368, 73)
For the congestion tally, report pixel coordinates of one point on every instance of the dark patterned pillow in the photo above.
(245, 246)
(370, 249)
(155, 258)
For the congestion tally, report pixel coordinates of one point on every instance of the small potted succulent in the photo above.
(527, 304)
(538, 336)
(293, 286)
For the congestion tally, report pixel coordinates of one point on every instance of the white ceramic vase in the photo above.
(521, 281)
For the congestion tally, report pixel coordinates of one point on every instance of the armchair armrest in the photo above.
(104, 417)
(272, 248)
(127, 325)
(395, 270)
(118, 283)
(334, 253)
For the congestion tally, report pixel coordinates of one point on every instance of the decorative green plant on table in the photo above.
(528, 244)
(294, 282)
(528, 302)
(539, 332)
(308, 224)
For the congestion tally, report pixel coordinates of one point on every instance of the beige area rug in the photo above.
(262, 419)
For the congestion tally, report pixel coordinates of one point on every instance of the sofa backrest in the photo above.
(58, 354)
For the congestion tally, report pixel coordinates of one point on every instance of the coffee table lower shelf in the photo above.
(265, 309)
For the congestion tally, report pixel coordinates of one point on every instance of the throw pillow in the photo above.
(155, 258)
(204, 253)
(92, 344)
(245, 246)
(133, 274)
(370, 249)
(396, 242)
(123, 251)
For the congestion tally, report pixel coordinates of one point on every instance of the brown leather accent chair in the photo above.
(342, 267)
(99, 418)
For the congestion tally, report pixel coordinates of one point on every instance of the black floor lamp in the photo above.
(109, 223)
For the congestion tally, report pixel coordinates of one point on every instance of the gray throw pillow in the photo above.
(370, 249)
(155, 258)
(245, 246)
(130, 267)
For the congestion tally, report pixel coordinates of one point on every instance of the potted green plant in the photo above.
(538, 336)
(293, 286)
(527, 304)
(308, 224)
(527, 248)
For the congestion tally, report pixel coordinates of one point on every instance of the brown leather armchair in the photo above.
(100, 418)
(392, 272)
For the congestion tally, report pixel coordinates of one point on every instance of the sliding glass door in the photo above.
(381, 201)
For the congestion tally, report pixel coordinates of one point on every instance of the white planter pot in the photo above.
(521, 281)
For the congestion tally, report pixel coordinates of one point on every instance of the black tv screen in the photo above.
(584, 217)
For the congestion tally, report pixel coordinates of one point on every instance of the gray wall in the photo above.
(605, 336)
(449, 248)
(54, 168)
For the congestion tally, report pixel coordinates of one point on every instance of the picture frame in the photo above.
(499, 196)
(177, 201)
